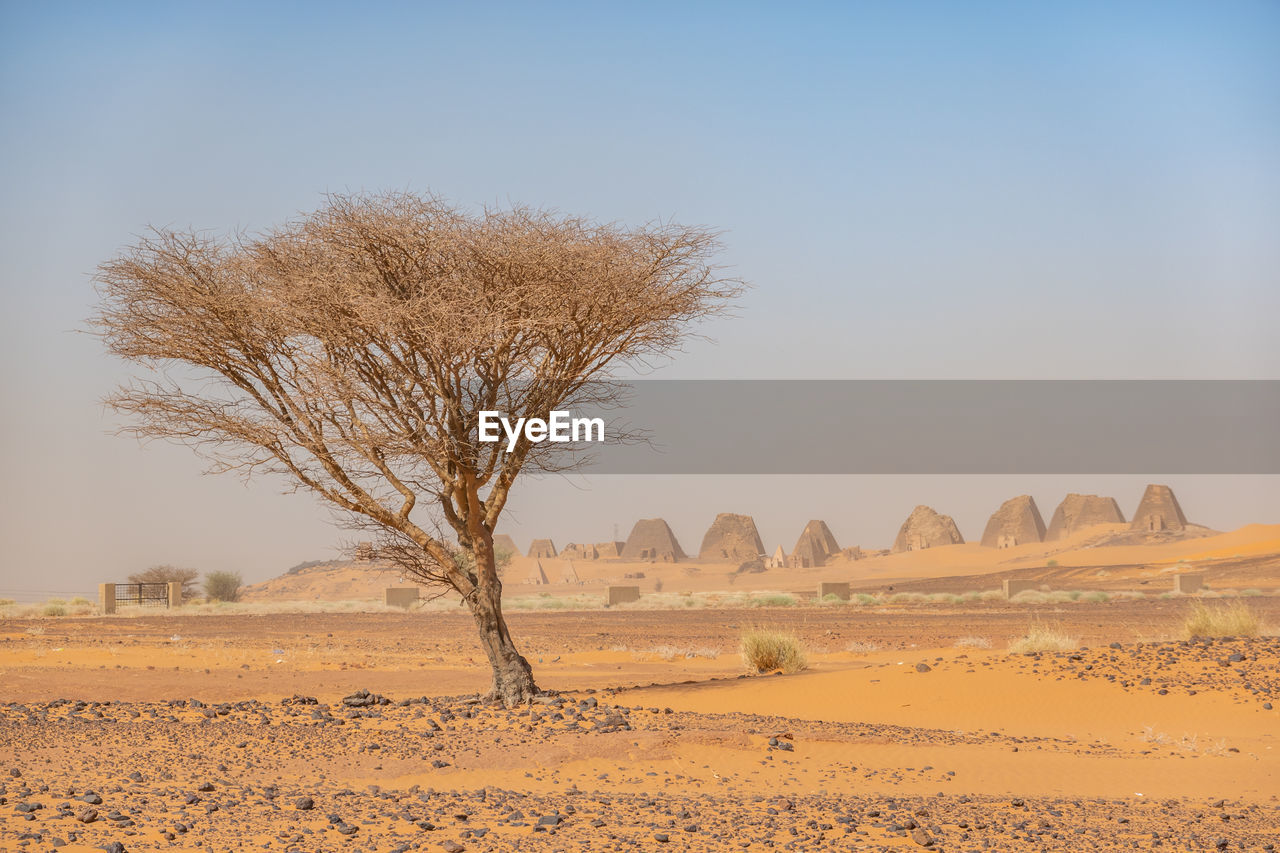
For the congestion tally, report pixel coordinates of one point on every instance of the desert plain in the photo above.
(913, 725)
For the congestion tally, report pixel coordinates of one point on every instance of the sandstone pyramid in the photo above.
(1077, 512)
(537, 577)
(1016, 522)
(610, 550)
(542, 549)
(731, 538)
(568, 573)
(1159, 510)
(778, 560)
(502, 540)
(579, 552)
(815, 546)
(925, 528)
(651, 540)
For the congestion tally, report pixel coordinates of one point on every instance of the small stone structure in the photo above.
(1187, 584)
(815, 546)
(107, 598)
(926, 528)
(542, 549)
(1159, 510)
(731, 538)
(1077, 512)
(1014, 586)
(623, 594)
(839, 590)
(574, 551)
(1016, 522)
(778, 560)
(402, 596)
(652, 541)
(175, 593)
(568, 573)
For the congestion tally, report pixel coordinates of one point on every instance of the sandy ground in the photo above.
(194, 733)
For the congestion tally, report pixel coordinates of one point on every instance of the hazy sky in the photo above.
(923, 190)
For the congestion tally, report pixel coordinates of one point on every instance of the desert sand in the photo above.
(362, 731)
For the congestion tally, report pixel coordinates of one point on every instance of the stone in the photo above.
(652, 541)
(1076, 512)
(542, 549)
(926, 528)
(623, 594)
(1016, 522)
(1158, 511)
(731, 538)
(815, 546)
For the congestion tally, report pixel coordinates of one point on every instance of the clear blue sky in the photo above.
(936, 190)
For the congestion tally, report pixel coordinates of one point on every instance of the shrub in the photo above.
(81, 601)
(1041, 638)
(1053, 564)
(52, 609)
(222, 586)
(867, 598)
(7, 602)
(1095, 597)
(774, 600)
(1223, 619)
(770, 651)
(168, 574)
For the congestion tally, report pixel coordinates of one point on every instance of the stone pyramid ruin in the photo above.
(573, 551)
(651, 540)
(1016, 522)
(542, 549)
(537, 577)
(610, 550)
(502, 540)
(926, 528)
(1077, 512)
(1158, 510)
(815, 546)
(568, 573)
(731, 538)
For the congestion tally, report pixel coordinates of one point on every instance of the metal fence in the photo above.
(143, 594)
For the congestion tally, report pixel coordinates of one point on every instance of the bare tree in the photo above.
(352, 350)
(166, 574)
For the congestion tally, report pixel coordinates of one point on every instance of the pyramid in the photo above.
(537, 576)
(610, 550)
(568, 573)
(502, 540)
(579, 552)
(1159, 510)
(731, 538)
(1016, 522)
(815, 546)
(1077, 512)
(652, 540)
(778, 560)
(542, 549)
(925, 528)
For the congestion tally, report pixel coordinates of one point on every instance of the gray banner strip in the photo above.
(945, 427)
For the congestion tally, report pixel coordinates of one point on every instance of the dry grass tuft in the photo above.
(1221, 619)
(764, 650)
(1041, 638)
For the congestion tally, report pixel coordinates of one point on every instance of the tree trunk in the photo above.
(512, 676)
